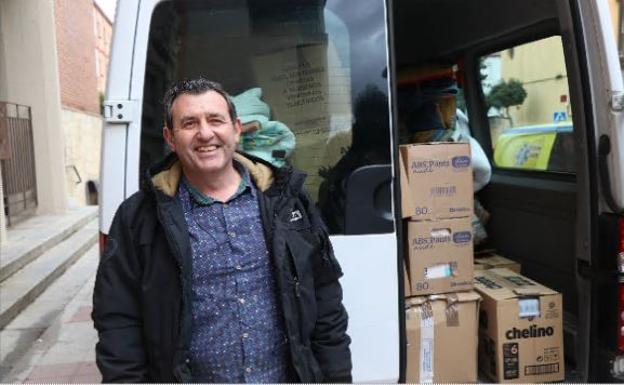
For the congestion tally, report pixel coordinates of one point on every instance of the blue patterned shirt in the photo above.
(238, 332)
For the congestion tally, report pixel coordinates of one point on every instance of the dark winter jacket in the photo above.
(141, 302)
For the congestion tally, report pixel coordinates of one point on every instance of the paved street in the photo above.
(65, 351)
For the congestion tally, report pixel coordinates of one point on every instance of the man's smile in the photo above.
(207, 149)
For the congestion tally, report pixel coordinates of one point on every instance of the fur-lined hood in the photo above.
(165, 175)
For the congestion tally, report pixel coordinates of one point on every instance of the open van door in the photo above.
(119, 110)
(321, 68)
(608, 90)
(604, 274)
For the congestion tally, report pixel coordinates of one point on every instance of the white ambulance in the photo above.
(328, 69)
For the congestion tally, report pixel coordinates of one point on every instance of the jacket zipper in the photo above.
(178, 257)
(268, 232)
(267, 225)
(297, 289)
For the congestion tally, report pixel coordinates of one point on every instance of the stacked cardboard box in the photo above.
(441, 334)
(495, 261)
(437, 202)
(521, 335)
(439, 256)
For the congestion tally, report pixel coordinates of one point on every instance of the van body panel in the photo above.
(598, 280)
(369, 264)
(606, 85)
(114, 151)
(112, 173)
(579, 325)
(118, 86)
(146, 9)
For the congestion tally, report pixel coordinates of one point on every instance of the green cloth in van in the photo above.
(273, 142)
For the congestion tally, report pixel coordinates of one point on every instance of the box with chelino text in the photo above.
(520, 331)
(436, 181)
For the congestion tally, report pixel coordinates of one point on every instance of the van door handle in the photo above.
(606, 276)
(368, 207)
(604, 148)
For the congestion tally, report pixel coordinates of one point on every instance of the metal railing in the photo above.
(17, 157)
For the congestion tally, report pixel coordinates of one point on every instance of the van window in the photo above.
(528, 100)
(302, 68)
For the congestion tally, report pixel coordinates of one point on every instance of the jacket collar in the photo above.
(165, 175)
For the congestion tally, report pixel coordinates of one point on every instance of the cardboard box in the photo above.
(440, 256)
(442, 338)
(436, 181)
(521, 335)
(495, 261)
(406, 283)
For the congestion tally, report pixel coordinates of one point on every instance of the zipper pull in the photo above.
(297, 292)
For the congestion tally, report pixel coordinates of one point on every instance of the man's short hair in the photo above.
(195, 86)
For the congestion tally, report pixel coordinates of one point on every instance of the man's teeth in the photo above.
(206, 148)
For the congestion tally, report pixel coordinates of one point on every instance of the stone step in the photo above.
(22, 338)
(21, 288)
(29, 239)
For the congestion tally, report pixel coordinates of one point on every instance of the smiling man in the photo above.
(220, 269)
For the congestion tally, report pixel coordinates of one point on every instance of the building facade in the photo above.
(540, 67)
(54, 60)
(83, 40)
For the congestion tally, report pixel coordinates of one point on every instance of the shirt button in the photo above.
(241, 300)
(248, 370)
(238, 267)
(232, 234)
(245, 335)
(225, 205)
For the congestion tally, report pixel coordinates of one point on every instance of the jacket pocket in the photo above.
(300, 254)
(326, 268)
(315, 369)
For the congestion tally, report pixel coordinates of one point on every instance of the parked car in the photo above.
(548, 147)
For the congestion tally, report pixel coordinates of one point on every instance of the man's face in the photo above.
(203, 135)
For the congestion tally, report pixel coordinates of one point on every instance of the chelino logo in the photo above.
(462, 237)
(461, 161)
(532, 331)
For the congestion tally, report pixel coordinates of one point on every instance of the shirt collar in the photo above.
(204, 200)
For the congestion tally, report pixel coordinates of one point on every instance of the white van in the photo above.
(328, 69)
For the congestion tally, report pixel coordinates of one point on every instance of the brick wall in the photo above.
(103, 35)
(75, 39)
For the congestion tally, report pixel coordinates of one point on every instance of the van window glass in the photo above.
(311, 73)
(528, 100)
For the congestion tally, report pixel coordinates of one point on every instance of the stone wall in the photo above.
(83, 136)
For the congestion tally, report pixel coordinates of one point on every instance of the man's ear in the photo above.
(168, 135)
(238, 128)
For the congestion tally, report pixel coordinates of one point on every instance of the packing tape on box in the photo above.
(452, 312)
(426, 343)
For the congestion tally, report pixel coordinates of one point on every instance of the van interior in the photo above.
(541, 216)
